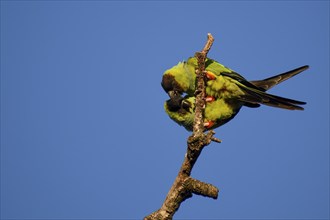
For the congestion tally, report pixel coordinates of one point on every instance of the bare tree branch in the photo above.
(184, 185)
(200, 88)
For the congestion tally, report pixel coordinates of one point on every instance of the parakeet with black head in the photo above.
(226, 90)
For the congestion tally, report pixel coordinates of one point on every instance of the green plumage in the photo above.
(229, 90)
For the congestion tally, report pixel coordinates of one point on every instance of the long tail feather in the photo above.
(253, 96)
(270, 82)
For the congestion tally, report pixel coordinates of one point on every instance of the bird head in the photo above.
(181, 110)
(178, 80)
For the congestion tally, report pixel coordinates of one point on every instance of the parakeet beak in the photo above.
(177, 102)
(174, 103)
(173, 94)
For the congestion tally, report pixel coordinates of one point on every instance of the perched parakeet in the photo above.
(226, 91)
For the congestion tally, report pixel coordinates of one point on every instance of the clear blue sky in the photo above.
(84, 133)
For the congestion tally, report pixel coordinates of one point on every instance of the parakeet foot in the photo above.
(208, 124)
(209, 99)
(210, 75)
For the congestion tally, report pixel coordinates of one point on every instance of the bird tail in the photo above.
(270, 82)
(254, 97)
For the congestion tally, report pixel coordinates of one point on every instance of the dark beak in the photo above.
(173, 94)
(174, 103)
(177, 102)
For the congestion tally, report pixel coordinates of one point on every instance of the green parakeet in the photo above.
(226, 91)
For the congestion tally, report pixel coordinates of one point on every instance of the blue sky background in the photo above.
(84, 133)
